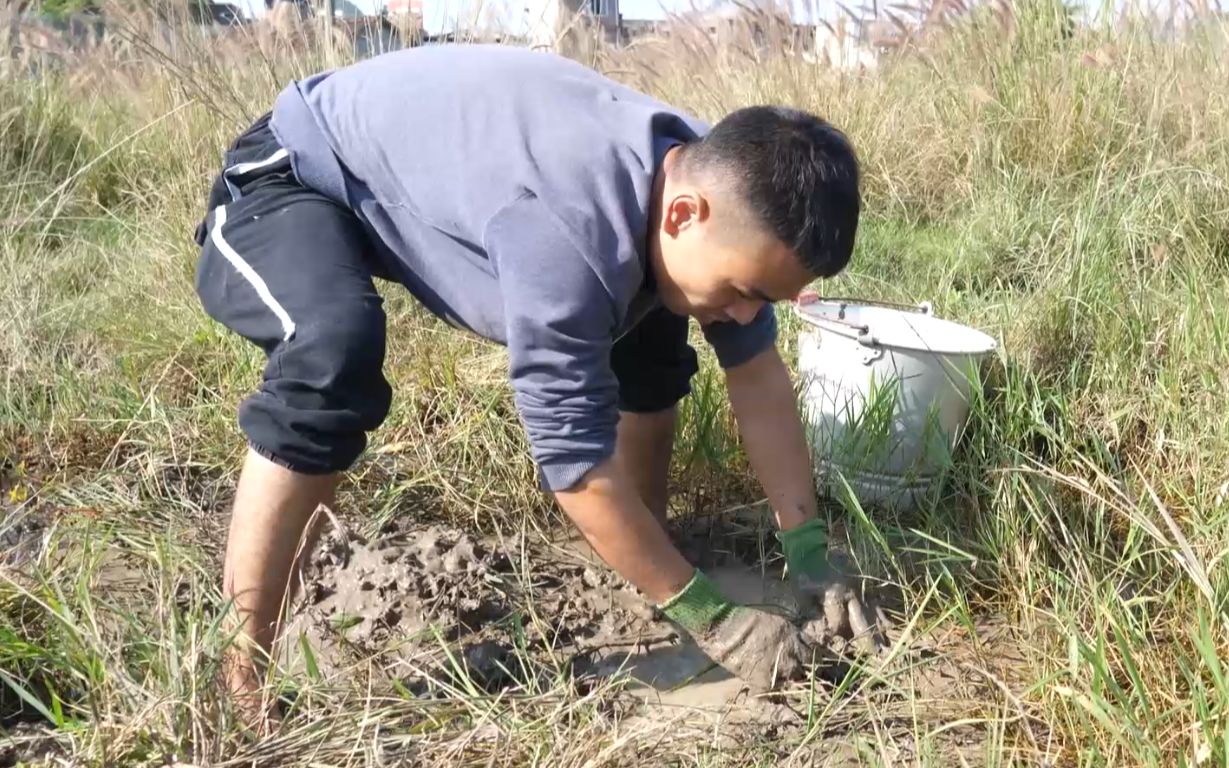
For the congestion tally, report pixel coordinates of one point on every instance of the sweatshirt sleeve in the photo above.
(560, 321)
(735, 344)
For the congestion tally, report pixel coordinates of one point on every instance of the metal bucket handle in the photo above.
(864, 331)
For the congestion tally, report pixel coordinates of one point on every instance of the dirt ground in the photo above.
(442, 608)
(505, 611)
(441, 613)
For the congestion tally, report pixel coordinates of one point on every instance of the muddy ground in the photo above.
(443, 610)
(509, 611)
(440, 612)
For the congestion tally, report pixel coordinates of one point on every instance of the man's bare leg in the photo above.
(644, 447)
(273, 506)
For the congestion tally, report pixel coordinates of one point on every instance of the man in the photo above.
(527, 199)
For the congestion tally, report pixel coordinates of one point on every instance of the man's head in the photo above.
(766, 202)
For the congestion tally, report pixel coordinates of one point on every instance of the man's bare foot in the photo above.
(253, 701)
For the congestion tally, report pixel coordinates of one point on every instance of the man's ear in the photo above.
(684, 210)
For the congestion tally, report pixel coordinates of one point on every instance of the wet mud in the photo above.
(436, 605)
(411, 592)
(439, 610)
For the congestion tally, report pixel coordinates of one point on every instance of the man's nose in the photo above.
(744, 311)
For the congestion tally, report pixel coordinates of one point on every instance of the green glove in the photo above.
(760, 648)
(827, 590)
(806, 548)
(699, 606)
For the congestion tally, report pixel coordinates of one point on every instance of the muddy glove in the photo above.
(760, 648)
(824, 587)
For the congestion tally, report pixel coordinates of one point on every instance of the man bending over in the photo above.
(526, 199)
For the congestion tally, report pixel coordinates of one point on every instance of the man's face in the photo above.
(711, 266)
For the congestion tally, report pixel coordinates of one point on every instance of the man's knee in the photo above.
(323, 391)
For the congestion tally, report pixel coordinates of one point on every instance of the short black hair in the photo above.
(797, 175)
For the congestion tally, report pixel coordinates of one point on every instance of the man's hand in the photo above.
(760, 648)
(762, 397)
(826, 588)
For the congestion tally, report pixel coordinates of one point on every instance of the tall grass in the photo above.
(1066, 190)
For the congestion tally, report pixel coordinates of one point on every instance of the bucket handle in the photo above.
(809, 297)
(864, 336)
(925, 308)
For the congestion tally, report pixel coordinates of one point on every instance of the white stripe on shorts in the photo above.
(243, 168)
(248, 273)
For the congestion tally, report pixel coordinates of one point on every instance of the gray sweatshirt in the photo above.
(508, 190)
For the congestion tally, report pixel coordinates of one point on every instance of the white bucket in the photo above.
(885, 395)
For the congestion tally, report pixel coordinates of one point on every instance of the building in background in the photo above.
(404, 8)
(541, 23)
(815, 30)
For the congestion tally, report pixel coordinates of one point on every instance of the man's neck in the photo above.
(652, 240)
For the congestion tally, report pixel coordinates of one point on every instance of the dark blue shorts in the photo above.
(293, 272)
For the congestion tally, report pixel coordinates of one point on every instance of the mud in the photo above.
(29, 744)
(401, 581)
(410, 593)
(438, 611)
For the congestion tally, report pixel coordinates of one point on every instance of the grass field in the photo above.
(1065, 190)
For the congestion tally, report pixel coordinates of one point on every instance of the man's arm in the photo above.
(607, 508)
(767, 414)
(560, 322)
(761, 648)
(766, 411)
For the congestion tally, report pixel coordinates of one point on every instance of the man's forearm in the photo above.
(762, 398)
(607, 509)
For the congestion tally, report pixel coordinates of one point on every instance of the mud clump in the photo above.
(403, 581)
(397, 595)
(591, 607)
